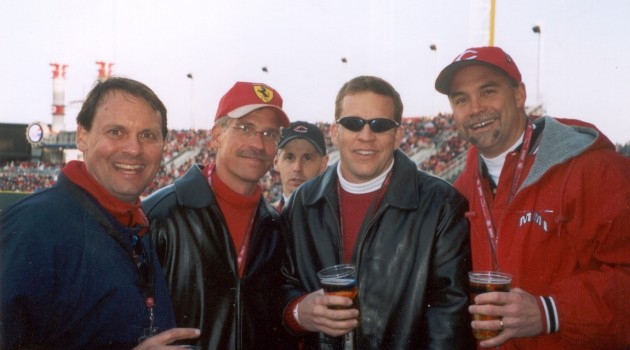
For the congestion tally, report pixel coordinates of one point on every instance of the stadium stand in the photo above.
(431, 142)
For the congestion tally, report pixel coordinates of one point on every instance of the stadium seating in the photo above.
(430, 141)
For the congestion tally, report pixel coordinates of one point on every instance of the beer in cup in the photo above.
(339, 280)
(485, 282)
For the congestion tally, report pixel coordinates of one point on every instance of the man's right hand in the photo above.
(316, 316)
(161, 340)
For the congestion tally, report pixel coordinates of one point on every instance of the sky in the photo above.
(578, 66)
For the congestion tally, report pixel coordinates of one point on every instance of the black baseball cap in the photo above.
(304, 130)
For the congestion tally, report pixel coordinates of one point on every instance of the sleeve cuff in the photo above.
(549, 313)
(291, 318)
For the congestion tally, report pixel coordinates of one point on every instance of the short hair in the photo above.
(101, 89)
(369, 84)
(222, 122)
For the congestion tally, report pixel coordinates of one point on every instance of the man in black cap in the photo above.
(301, 156)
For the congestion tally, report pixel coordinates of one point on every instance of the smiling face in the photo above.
(123, 148)
(487, 108)
(297, 162)
(365, 154)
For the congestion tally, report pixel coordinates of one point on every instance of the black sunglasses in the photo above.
(377, 125)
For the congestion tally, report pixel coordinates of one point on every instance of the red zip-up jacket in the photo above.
(565, 236)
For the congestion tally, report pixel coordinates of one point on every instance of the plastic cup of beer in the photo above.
(339, 280)
(485, 282)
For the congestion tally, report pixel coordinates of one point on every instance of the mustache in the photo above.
(256, 154)
(476, 118)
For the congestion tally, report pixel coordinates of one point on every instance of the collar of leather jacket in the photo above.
(398, 193)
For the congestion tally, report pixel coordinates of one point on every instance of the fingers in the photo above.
(492, 298)
(328, 314)
(336, 328)
(336, 302)
(167, 337)
(174, 334)
(515, 313)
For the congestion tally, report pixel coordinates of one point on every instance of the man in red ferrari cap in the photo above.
(219, 241)
(550, 205)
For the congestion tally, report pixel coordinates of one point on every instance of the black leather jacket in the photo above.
(198, 257)
(412, 256)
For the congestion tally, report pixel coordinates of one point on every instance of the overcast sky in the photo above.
(584, 52)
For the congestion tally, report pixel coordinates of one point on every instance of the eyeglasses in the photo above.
(249, 132)
(377, 125)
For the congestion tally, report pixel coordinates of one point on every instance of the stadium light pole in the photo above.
(537, 31)
(192, 114)
(265, 73)
(344, 62)
(433, 48)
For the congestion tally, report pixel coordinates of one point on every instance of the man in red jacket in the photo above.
(550, 204)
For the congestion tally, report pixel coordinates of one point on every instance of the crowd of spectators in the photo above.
(446, 152)
(27, 176)
(420, 133)
(178, 142)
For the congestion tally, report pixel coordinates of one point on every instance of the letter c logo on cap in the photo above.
(466, 55)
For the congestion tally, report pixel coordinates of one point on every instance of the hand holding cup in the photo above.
(485, 282)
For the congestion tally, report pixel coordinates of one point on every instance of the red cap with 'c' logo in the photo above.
(489, 55)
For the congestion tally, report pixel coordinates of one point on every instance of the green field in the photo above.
(8, 198)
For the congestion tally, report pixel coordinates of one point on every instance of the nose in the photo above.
(299, 165)
(257, 141)
(132, 147)
(366, 133)
(475, 105)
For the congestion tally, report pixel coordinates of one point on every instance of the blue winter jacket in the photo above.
(65, 283)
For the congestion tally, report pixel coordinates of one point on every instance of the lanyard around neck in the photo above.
(491, 230)
(142, 263)
(242, 251)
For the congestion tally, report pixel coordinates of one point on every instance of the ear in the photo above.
(400, 133)
(334, 132)
(324, 164)
(520, 95)
(217, 132)
(275, 161)
(82, 135)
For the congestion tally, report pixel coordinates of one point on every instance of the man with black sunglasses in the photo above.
(404, 230)
(76, 268)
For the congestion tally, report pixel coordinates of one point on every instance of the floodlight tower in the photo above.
(58, 107)
(536, 29)
(433, 49)
(104, 70)
(192, 99)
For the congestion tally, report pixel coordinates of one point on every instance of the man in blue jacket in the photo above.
(75, 272)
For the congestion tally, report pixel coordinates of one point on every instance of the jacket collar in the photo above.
(559, 142)
(193, 191)
(401, 192)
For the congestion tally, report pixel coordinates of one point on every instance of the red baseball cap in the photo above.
(491, 56)
(244, 98)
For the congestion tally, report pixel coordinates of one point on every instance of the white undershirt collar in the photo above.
(495, 164)
(365, 187)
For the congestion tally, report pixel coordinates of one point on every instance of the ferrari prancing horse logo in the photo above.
(264, 93)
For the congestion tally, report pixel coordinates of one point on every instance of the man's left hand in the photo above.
(519, 313)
